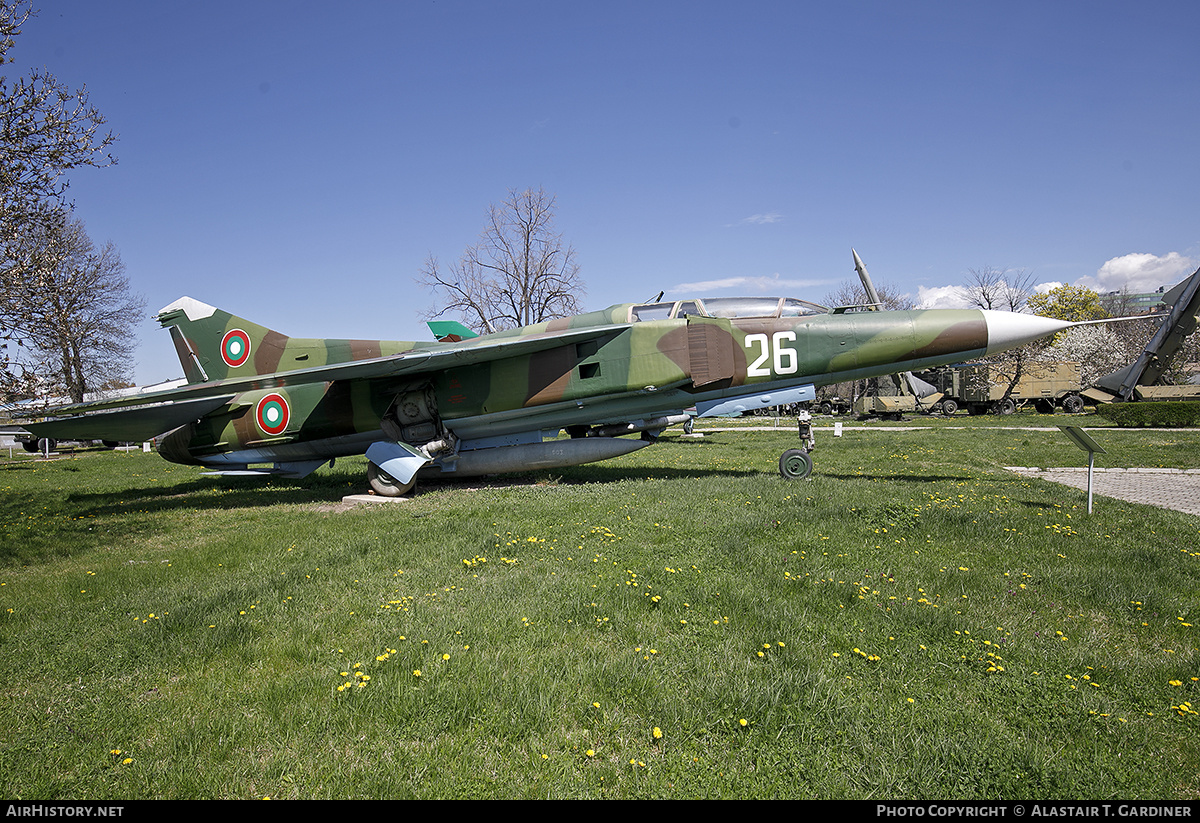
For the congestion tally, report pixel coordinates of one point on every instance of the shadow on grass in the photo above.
(228, 493)
(38, 526)
(216, 494)
(78, 516)
(899, 478)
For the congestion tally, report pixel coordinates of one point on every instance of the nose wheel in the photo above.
(797, 464)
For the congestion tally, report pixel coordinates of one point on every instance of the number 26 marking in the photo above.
(783, 357)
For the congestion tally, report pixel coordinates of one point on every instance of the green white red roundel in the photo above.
(235, 348)
(272, 414)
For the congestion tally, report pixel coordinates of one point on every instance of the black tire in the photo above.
(795, 464)
(827, 408)
(949, 407)
(1004, 406)
(1072, 404)
(384, 485)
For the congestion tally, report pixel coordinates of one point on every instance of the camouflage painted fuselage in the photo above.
(661, 366)
(257, 396)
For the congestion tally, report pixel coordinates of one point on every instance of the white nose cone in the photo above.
(1007, 330)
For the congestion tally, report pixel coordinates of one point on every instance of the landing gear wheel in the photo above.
(795, 464)
(384, 485)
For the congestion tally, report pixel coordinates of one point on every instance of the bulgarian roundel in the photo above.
(235, 348)
(272, 414)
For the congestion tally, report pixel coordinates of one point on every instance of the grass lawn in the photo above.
(911, 622)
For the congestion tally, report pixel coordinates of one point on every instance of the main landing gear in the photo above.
(797, 464)
(384, 485)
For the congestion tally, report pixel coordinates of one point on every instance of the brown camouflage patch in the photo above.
(268, 353)
(961, 337)
(549, 374)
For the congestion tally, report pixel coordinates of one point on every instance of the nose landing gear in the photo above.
(797, 464)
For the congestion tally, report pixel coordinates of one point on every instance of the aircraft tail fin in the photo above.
(215, 345)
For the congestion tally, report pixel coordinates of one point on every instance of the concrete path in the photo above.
(1177, 489)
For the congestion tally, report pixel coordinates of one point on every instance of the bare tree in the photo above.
(999, 289)
(79, 311)
(45, 130)
(852, 293)
(1004, 290)
(519, 273)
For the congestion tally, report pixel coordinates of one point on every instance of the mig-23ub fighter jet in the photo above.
(260, 402)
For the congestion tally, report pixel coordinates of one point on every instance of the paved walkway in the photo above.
(1177, 489)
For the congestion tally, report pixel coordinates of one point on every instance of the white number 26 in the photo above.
(774, 349)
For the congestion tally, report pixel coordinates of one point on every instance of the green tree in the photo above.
(1073, 303)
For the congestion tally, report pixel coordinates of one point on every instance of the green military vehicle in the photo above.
(983, 388)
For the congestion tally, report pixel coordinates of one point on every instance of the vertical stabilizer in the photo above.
(216, 345)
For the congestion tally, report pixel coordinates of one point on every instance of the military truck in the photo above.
(980, 388)
(830, 404)
(892, 406)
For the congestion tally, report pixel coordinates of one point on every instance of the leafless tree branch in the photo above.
(518, 273)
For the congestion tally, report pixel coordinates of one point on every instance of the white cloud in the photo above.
(1139, 273)
(760, 219)
(1045, 288)
(749, 285)
(941, 297)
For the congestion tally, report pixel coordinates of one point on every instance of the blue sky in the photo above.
(296, 162)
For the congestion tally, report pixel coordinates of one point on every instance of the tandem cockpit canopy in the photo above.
(726, 307)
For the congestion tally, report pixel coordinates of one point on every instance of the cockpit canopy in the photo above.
(726, 307)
